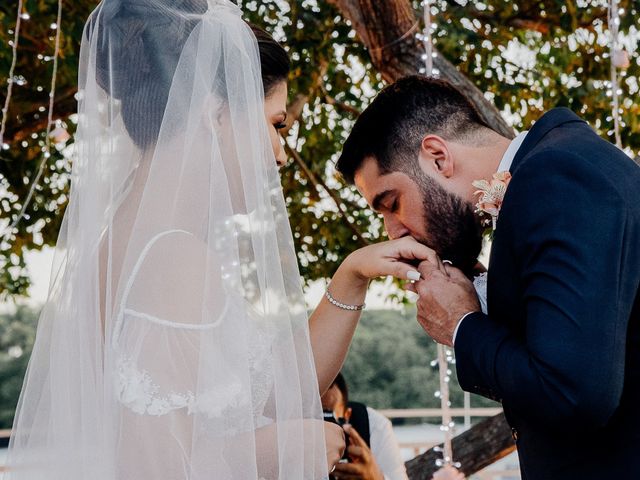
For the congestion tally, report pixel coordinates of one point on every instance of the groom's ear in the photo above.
(435, 156)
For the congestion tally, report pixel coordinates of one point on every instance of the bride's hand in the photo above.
(395, 257)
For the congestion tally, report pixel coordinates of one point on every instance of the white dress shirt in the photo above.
(384, 447)
(504, 166)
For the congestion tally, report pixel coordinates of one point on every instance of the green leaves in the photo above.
(388, 364)
(26, 126)
(17, 334)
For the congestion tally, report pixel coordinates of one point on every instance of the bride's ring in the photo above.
(333, 469)
(444, 264)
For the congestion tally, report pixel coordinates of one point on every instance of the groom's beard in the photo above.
(454, 230)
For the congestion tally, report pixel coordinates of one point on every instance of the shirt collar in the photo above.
(510, 154)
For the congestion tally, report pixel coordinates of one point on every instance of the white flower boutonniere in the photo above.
(490, 196)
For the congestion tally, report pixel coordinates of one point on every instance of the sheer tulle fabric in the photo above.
(174, 344)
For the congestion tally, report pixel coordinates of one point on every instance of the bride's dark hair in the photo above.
(138, 63)
(274, 60)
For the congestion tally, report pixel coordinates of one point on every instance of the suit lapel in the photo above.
(501, 264)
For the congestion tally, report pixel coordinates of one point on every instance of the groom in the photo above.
(560, 345)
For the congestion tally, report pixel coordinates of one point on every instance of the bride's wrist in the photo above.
(351, 274)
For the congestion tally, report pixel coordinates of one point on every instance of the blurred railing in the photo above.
(416, 447)
(436, 412)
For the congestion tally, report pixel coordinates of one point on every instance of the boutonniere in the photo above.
(490, 197)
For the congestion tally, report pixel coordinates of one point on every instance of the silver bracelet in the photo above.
(343, 306)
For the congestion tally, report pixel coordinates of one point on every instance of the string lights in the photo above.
(427, 41)
(12, 69)
(443, 362)
(46, 149)
(619, 60)
(445, 356)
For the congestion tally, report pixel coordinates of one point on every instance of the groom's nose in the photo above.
(395, 228)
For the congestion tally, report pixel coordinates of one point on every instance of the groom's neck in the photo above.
(491, 151)
(487, 154)
(478, 160)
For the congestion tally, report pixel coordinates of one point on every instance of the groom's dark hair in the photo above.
(391, 129)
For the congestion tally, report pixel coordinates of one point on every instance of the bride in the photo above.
(175, 342)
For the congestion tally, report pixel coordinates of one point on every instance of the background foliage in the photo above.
(387, 366)
(528, 56)
(17, 334)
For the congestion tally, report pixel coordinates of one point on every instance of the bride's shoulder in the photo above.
(174, 276)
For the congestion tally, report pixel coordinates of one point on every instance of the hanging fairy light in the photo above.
(445, 356)
(426, 37)
(619, 61)
(46, 149)
(443, 362)
(10, 79)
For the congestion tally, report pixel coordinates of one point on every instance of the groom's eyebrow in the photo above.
(379, 198)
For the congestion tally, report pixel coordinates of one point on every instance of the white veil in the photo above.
(174, 343)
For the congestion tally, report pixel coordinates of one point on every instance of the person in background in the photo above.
(373, 450)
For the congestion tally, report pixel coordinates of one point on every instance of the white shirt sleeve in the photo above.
(385, 448)
(480, 284)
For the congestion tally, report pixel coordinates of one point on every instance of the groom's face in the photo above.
(417, 205)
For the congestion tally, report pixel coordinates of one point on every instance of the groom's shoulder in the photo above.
(563, 134)
(560, 142)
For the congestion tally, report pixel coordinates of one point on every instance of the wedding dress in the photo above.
(174, 343)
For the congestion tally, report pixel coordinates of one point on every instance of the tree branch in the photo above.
(339, 105)
(381, 25)
(318, 182)
(294, 109)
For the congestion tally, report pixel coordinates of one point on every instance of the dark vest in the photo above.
(360, 420)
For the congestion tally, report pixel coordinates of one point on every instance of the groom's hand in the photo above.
(445, 296)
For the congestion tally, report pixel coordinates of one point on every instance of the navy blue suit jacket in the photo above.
(560, 346)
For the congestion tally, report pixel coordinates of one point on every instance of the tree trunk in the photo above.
(477, 448)
(388, 29)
